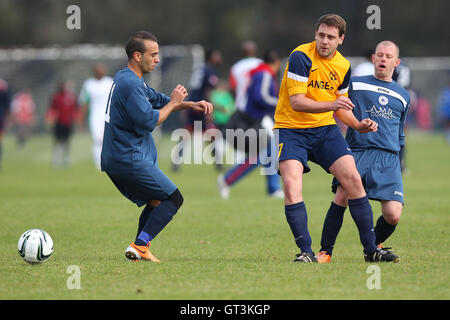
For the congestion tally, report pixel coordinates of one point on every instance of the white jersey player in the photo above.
(94, 97)
(239, 78)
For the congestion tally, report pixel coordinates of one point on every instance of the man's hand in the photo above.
(178, 94)
(342, 103)
(203, 106)
(367, 125)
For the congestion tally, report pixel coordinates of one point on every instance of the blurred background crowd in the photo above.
(50, 75)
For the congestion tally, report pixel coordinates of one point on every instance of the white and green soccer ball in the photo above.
(35, 246)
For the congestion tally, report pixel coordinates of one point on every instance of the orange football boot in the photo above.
(323, 257)
(135, 252)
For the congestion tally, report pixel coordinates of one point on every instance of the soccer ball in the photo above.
(35, 246)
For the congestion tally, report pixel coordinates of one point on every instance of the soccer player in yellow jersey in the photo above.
(315, 85)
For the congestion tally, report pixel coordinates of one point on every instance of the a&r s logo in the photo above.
(383, 100)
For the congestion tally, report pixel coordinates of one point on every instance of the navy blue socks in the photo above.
(383, 230)
(298, 221)
(361, 212)
(143, 218)
(156, 221)
(331, 226)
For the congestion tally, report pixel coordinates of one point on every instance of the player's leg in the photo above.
(344, 169)
(145, 214)
(332, 224)
(291, 172)
(273, 186)
(293, 158)
(97, 125)
(144, 189)
(388, 221)
(333, 154)
(1, 144)
(57, 148)
(65, 144)
(235, 174)
(159, 217)
(269, 162)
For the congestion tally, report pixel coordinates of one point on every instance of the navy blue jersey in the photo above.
(202, 80)
(387, 103)
(262, 93)
(131, 116)
(5, 99)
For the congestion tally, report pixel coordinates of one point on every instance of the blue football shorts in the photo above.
(142, 187)
(321, 145)
(381, 174)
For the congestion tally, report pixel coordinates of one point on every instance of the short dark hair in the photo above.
(270, 56)
(209, 53)
(333, 20)
(135, 42)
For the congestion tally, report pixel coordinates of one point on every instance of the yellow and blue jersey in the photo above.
(318, 78)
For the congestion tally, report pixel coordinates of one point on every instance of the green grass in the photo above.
(213, 249)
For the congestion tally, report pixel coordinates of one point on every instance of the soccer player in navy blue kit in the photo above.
(129, 155)
(203, 81)
(383, 100)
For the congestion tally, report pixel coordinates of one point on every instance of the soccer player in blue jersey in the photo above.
(383, 100)
(129, 155)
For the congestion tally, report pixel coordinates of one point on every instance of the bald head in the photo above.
(385, 60)
(249, 48)
(99, 70)
(387, 43)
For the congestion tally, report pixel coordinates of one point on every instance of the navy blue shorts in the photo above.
(145, 186)
(381, 174)
(322, 145)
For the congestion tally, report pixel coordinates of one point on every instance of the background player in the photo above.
(239, 80)
(315, 83)
(262, 98)
(203, 81)
(129, 155)
(93, 98)
(62, 114)
(379, 98)
(5, 103)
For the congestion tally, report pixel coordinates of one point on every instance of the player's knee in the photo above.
(352, 184)
(292, 191)
(393, 219)
(392, 211)
(340, 197)
(176, 199)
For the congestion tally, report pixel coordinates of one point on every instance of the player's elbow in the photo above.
(298, 102)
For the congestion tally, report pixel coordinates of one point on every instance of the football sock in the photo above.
(297, 219)
(361, 212)
(143, 218)
(331, 226)
(160, 217)
(239, 171)
(383, 230)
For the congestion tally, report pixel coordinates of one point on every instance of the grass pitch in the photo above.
(213, 249)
